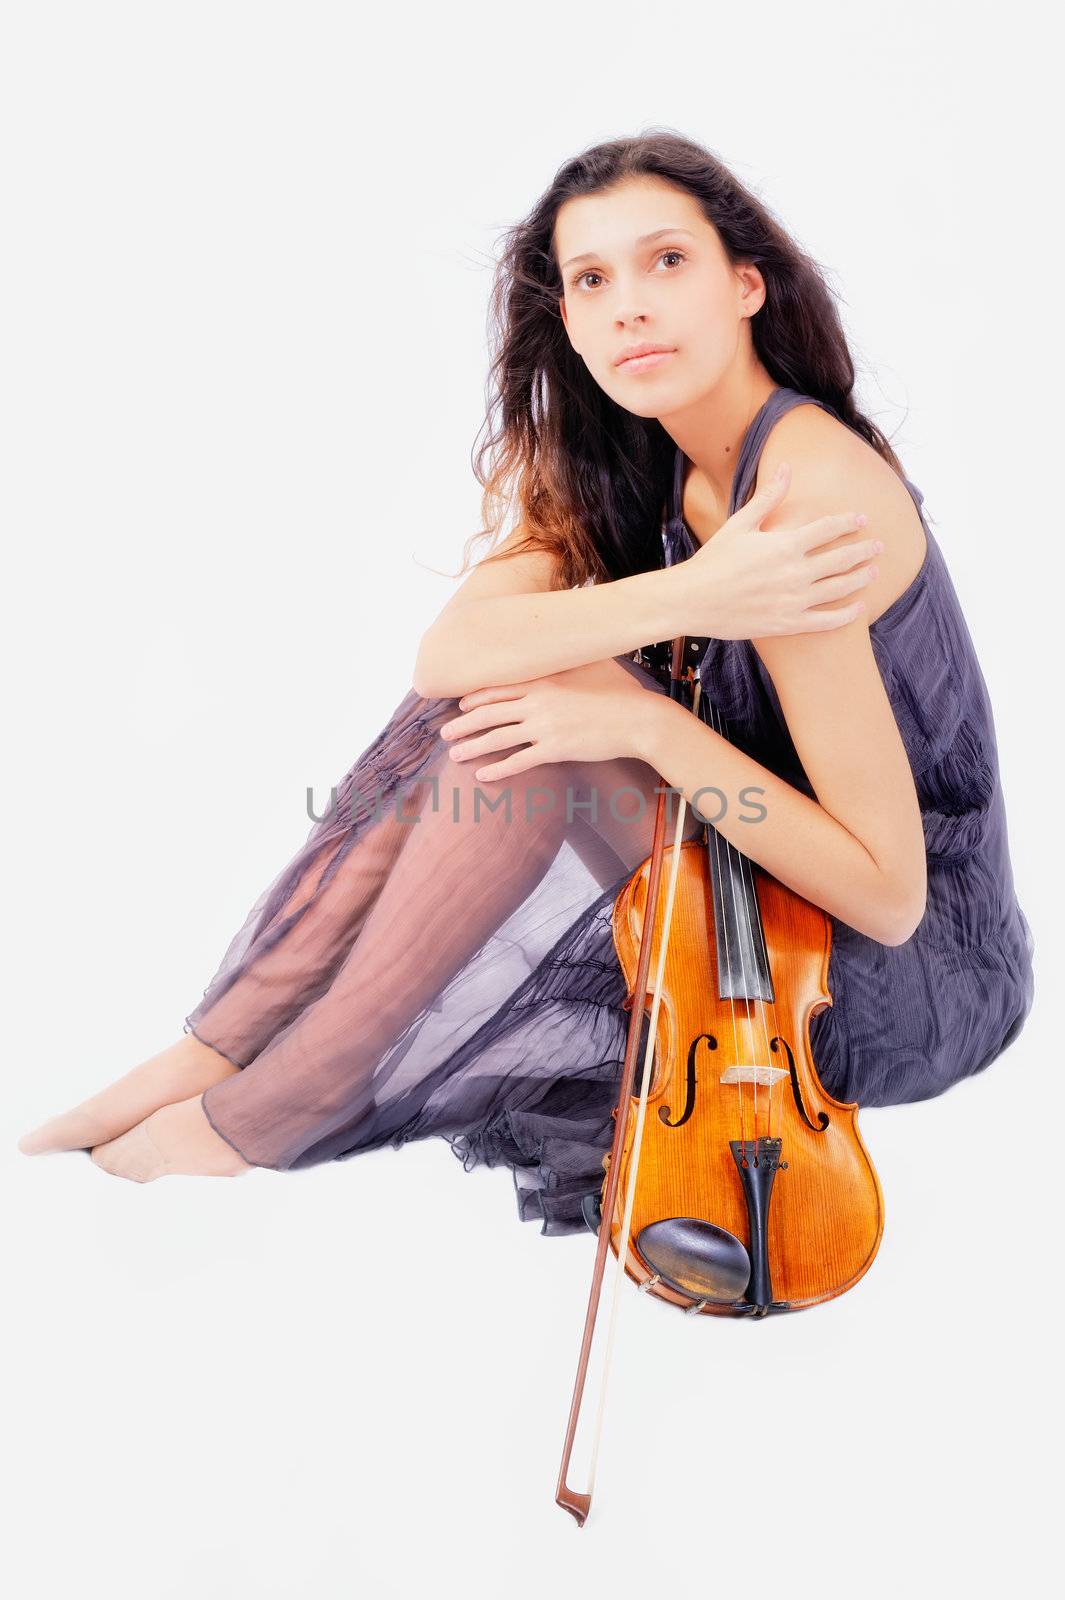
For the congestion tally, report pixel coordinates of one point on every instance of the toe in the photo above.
(73, 1130)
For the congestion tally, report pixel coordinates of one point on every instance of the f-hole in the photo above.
(689, 1104)
(778, 1043)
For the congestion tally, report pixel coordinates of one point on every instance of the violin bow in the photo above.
(574, 1500)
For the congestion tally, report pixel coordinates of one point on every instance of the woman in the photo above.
(438, 957)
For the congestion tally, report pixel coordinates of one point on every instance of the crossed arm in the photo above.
(858, 850)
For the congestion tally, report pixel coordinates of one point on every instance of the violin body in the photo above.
(754, 1191)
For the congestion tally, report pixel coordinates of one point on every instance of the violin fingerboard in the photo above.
(742, 965)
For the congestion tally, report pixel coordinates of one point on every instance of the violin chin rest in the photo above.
(696, 1257)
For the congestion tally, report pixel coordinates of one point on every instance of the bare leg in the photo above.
(345, 959)
(179, 1139)
(425, 879)
(326, 1077)
(183, 1069)
(192, 1065)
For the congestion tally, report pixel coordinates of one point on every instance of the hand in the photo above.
(747, 583)
(588, 713)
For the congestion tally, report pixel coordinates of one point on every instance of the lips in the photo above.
(646, 348)
(652, 358)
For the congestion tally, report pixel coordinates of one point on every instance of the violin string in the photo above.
(751, 905)
(698, 701)
(743, 976)
(749, 908)
(746, 866)
(752, 902)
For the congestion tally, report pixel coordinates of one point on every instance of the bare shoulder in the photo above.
(833, 469)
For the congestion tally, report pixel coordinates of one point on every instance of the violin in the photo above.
(756, 1193)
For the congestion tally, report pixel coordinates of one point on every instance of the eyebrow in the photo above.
(645, 238)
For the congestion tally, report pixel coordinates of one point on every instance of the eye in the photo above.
(591, 272)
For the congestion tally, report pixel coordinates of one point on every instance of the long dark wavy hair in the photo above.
(591, 479)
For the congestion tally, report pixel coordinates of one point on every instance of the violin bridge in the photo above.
(751, 1074)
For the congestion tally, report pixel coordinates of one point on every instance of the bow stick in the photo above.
(574, 1500)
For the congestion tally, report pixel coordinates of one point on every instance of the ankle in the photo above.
(195, 1049)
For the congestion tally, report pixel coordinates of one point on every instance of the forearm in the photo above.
(792, 837)
(508, 638)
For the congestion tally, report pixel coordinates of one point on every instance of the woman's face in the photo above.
(651, 269)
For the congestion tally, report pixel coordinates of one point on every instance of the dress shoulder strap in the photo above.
(781, 400)
(676, 539)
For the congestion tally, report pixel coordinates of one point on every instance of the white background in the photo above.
(245, 271)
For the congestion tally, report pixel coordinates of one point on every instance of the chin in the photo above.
(653, 401)
(658, 408)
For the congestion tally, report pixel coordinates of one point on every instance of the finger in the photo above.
(488, 696)
(484, 716)
(827, 562)
(821, 621)
(768, 497)
(509, 768)
(503, 738)
(821, 529)
(846, 583)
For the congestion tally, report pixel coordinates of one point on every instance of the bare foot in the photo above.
(183, 1069)
(174, 1139)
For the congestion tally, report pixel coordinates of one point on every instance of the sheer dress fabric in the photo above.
(436, 962)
